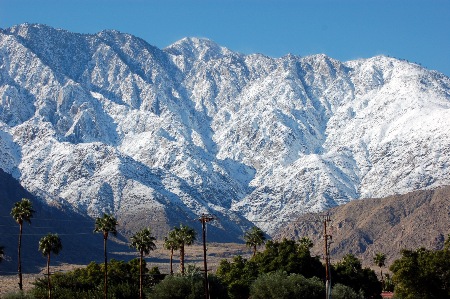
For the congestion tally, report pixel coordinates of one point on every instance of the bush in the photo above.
(178, 287)
(123, 282)
(18, 295)
(341, 291)
(190, 286)
(280, 285)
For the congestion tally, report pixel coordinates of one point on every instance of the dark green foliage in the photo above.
(279, 285)
(88, 282)
(290, 257)
(422, 274)
(341, 291)
(238, 275)
(17, 295)
(350, 273)
(189, 286)
(178, 287)
(285, 256)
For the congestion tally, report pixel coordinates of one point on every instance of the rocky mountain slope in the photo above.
(109, 123)
(387, 225)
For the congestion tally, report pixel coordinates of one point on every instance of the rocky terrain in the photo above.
(109, 123)
(387, 225)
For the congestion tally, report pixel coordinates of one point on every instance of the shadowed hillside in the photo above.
(80, 244)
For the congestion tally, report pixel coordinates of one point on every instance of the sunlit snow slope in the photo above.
(109, 123)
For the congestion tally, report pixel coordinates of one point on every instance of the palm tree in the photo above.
(48, 244)
(22, 211)
(143, 241)
(106, 224)
(171, 244)
(254, 237)
(2, 253)
(183, 236)
(379, 260)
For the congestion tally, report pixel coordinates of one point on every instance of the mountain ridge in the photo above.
(387, 225)
(112, 124)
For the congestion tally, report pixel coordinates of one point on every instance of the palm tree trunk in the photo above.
(48, 277)
(171, 259)
(19, 267)
(140, 276)
(106, 268)
(182, 259)
(254, 250)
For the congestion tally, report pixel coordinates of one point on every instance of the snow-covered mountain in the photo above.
(109, 123)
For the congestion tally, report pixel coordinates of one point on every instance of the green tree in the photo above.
(237, 275)
(254, 237)
(51, 243)
(349, 272)
(306, 243)
(22, 211)
(280, 285)
(105, 225)
(379, 259)
(171, 244)
(143, 241)
(87, 282)
(179, 287)
(341, 291)
(189, 286)
(290, 257)
(422, 273)
(183, 236)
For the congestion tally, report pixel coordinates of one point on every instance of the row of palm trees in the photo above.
(143, 241)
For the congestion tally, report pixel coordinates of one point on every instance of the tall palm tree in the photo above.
(105, 225)
(171, 243)
(379, 259)
(254, 237)
(2, 253)
(48, 244)
(184, 236)
(22, 211)
(143, 241)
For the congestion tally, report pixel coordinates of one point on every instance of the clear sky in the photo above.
(418, 31)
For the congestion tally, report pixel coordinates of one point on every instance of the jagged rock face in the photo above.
(112, 124)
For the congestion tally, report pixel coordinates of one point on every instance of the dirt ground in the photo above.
(159, 257)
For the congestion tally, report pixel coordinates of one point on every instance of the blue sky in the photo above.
(418, 31)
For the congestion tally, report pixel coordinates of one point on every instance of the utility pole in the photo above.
(203, 219)
(326, 219)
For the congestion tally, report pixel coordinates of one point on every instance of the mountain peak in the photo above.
(198, 48)
(110, 124)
